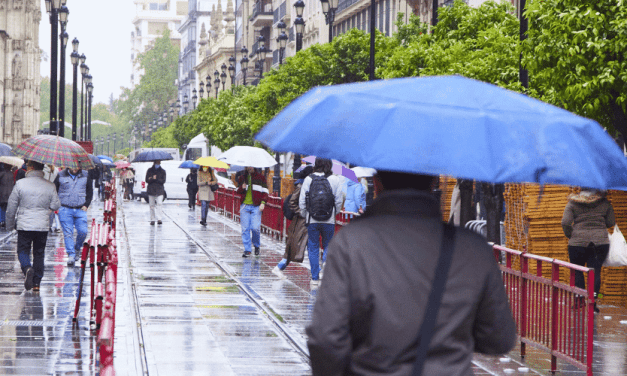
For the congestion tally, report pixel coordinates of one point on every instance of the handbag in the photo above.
(617, 256)
(435, 298)
(214, 187)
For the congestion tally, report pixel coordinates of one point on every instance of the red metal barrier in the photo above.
(272, 217)
(550, 315)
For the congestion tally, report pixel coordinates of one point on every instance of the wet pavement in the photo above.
(188, 303)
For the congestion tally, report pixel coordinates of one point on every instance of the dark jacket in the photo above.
(155, 186)
(74, 192)
(6, 185)
(192, 184)
(587, 216)
(376, 283)
(258, 185)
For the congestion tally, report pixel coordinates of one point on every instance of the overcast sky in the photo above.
(103, 28)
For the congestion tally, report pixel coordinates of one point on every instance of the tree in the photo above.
(576, 58)
(156, 87)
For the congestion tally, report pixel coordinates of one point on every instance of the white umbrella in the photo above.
(13, 161)
(363, 172)
(247, 156)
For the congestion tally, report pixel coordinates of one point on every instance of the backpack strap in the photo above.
(427, 328)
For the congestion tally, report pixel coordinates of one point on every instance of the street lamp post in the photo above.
(232, 71)
(261, 51)
(194, 98)
(328, 8)
(52, 7)
(172, 107)
(108, 144)
(75, 58)
(216, 82)
(83, 74)
(244, 62)
(223, 75)
(208, 86)
(114, 145)
(201, 92)
(281, 40)
(299, 28)
(90, 89)
(63, 38)
(88, 78)
(185, 104)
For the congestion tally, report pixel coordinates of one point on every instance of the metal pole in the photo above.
(331, 18)
(434, 13)
(54, 33)
(373, 13)
(523, 74)
(89, 118)
(82, 133)
(74, 98)
(61, 125)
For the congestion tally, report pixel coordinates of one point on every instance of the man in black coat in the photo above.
(192, 188)
(155, 177)
(377, 281)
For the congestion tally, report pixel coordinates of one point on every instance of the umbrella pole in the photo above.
(493, 202)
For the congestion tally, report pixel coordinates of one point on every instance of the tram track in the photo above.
(294, 339)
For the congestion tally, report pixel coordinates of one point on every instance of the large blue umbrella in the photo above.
(189, 164)
(152, 155)
(105, 157)
(448, 125)
(5, 150)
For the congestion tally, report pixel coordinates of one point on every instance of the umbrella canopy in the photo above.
(249, 156)
(106, 162)
(189, 164)
(105, 157)
(5, 150)
(152, 155)
(13, 161)
(121, 164)
(364, 172)
(449, 125)
(54, 150)
(337, 167)
(211, 162)
(96, 160)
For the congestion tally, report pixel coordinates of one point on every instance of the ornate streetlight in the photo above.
(328, 8)
(185, 104)
(194, 98)
(75, 58)
(63, 38)
(83, 74)
(244, 62)
(201, 92)
(223, 75)
(216, 82)
(299, 23)
(281, 40)
(208, 85)
(232, 71)
(261, 51)
(52, 7)
(90, 90)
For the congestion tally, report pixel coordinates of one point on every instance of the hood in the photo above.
(587, 197)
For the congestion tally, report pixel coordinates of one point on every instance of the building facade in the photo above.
(152, 17)
(19, 69)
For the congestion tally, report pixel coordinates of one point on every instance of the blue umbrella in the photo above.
(152, 155)
(106, 162)
(448, 125)
(5, 150)
(189, 164)
(105, 157)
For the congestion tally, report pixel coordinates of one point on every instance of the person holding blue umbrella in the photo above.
(192, 187)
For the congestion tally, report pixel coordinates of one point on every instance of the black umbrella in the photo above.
(96, 160)
(5, 150)
(152, 155)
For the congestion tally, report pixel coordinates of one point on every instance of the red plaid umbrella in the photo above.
(58, 151)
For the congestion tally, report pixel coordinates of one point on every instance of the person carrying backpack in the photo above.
(320, 200)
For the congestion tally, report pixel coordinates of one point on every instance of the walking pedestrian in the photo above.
(320, 200)
(296, 241)
(129, 181)
(28, 209)
(155, 177)
(20, 173)
(75, 189)
(6, 186)
(253, 189)
(369, 313)
(355, 197)
(587, 216)
(205, 180)
(192, 188)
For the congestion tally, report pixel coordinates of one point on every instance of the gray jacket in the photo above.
(30, 203)
(376, 283)
(587, 216)
(336, 187)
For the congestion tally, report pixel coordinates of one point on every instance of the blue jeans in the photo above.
(71, 218)
(2, 215)
(315, 230)
(250, 219)
(204, 208)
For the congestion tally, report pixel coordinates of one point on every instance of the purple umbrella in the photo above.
(337, 168)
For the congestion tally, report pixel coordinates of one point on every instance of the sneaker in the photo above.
(28, 280)
(246, 254)
(152, 223)
(204, 223)
(256, 251)
(70, 263)
(36, 288)
(314, 283)
(278, 272)
(159, 222)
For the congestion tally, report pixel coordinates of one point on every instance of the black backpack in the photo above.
(287, 212)
(320, 200)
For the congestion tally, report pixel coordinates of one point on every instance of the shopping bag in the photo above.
(617, 256)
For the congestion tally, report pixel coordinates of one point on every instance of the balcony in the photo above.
(262, 14)
(344, 4)
(280, 14)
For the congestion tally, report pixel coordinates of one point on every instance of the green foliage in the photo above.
(576, 57)
(163, 138)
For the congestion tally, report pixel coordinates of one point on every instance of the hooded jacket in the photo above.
(355, 197)
(376, 285)
(587, 216)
